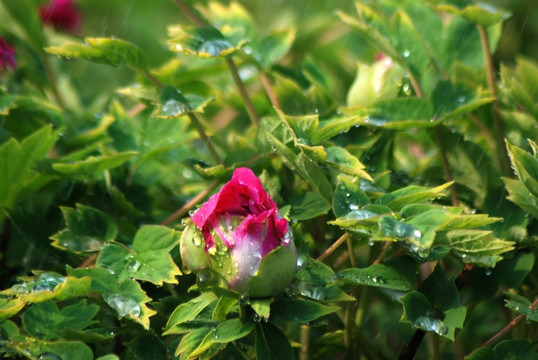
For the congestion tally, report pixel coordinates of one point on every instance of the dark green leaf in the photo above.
(299, 311)
(308, 205)
(272, 344)
(225, 332)
(189, 310)
(93, 166)
(45, 321)
(378, 275)
(87, 229)
(507, 349)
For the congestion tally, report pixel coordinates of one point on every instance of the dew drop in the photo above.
(406, 53)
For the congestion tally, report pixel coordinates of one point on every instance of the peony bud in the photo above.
(378, 81)
(62, 15)
(239, 234)
(7, 56)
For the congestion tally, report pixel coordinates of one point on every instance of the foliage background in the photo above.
(145, 189)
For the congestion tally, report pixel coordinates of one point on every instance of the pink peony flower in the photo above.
(239, 226)
(62, 14)
(7, 56)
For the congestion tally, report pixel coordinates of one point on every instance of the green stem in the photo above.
(253, 115)
(351, 252)
(201, 131)
(52, 81)
(435, 343)
(305, 341)
(231, 65)
(502, 151)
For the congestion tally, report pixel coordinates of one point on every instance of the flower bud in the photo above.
(378, 81)
(239, 235)
(7, 56)
(62, 15)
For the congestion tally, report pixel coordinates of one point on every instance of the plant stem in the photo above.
(89, 262)
(333, 247)
(190, 204)
(253, 115)
(409, 351)
(435, 343)
(189, 13)
(509, 327)
(269, 89)
(201, 131)
(351, 252)
(305, 341)
(52, 82)
(231, 65)
(502, 152)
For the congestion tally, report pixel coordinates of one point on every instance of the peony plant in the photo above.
(238, 236)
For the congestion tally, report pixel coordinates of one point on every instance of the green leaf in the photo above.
(49, 285)
(313, 281)
(342, 160)
(420, 313)
(225, 332)
(22, 19)
(149, 259)
(126, 297)
(189, 310)
(45, 321)
(397, 199)
(204, 42)
(451, 100)
(308, 205)
(378, 275)
(190, 341)
(526, 167)
(93, 166)
(147, 346)
(348, 196)
(299, 311)
(17, 163)
(479, 247)
(10, 307)
(399, 114)
(524, 309)
(173, 103)
(107, 51)
(409, 44)
(507, 349)
(272, 344)
(520, 195)
(273, 47)
(64, 350)
(87, 229)
(480, 14)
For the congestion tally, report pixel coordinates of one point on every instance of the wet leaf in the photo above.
(107, 51)
(204, 42)
(299, 311)
(87, 230)
(149, 258)
(272, 344)
(46, 321)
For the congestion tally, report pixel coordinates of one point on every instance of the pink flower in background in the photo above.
(7, 56)
(238, 227)
(62, 14)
